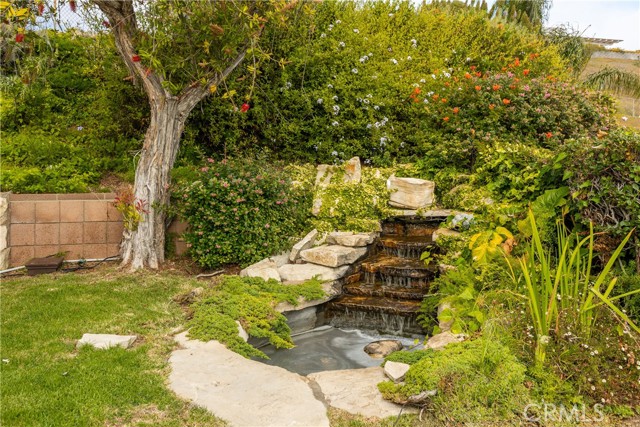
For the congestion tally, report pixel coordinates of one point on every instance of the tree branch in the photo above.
(123, 22)
(195, 93)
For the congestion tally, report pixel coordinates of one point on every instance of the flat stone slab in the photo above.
(348, 238)
(104, 341)
(395, 370)
(333, 255)
(242, 391)
(306, 242)
(265, 269)
(443, 339)
(410, 193)
(302, 272)
(356, 391)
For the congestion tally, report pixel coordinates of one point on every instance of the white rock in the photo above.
(356, 391)
(242, 391)
(305, 243)
(440, 232)
(266, 269)
(104, 341)
(410, 193)
(281, 259)
(243, 334)
(395, 370)
(348, 238)
(441, 340)
(324, 175)
(332, 255)
(353, 171)
(303, 272)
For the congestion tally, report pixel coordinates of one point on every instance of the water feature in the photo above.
(393, 281)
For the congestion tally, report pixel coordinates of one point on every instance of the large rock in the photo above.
(442, 232)
(348, 238)
(242, 391)
(324, 175)
(303, 272)
(395, 370)
(266, 269)
(443, 339)
(356, 391)
(353, 171)
(105, 341)
(382, 348)
(410, 193)
(333, 255)
(303, 244)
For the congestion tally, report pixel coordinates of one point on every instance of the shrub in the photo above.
(476, 381)
(240, 212)
(251, 302)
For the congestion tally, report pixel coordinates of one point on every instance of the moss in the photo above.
(251, 301)
(409, 357)
(476, 381)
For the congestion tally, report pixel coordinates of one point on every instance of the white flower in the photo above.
(334, 153)
(604, 381)
(447, 75)
(369, 95)
(320, 101)
(330, 86)
(375, 107)
(433, 76)
(341, 44)
(369, 125)
(366, 101)
(408, 58)
(354, 70)
(336, 109)
(323, 35)
(414, 41)
(453, 50)
(338, 21)
(369, 55)
(330, 27)
(363, 59)
(377, 124)
(394, 61)
(391, 15)
(624, 118)
(383, 141)
(335, 97)
(426, 101)
(334, 123)
(355, 30)
(288, 85)
(429, 93)
(422, 80)
(468, 59)
(402, 144)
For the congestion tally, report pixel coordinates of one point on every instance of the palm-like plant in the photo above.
(614, 80)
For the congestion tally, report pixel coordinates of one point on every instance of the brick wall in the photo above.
(84, 225)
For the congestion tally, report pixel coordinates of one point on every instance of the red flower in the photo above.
(446, 119)
(456, 110)
(496, 87)
(416, 91)
(473, 68)
(135, 58)
(19, 37)
(517, 62)
(478, 74)
(72, 5)
(467, 75)
(506, 101)
(478, 87)
(548, 134)
(245, 107)
(525, 72)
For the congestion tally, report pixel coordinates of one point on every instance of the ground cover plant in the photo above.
(47, 381)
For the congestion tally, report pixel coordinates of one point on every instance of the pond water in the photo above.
(327, 349)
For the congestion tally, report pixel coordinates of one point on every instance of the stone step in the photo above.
(401, 307)
(399, 267)
(410, 226)
(380, 290)
(406, 246)
(333, 255)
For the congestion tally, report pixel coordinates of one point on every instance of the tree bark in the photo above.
(144, 247)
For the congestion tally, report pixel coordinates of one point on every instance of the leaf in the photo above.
(478, 315)
(504, 232)
(446, 315)
(229, 94)
(213, 89)
(467, 294)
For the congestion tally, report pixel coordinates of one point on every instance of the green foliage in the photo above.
(463, 312)
(353, 206)
(476, 381)
(240, 211)
(630, 303)
(409, 357)
(487, 245)
(250, 301)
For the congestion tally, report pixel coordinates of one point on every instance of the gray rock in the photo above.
(281, 259)
(324, 175)
(317, 205)
(443, 339)
(382, 348)
(396, 370)
(410, 193)
(303, 272)
(266, 269)
(421, 398)
(333, 255)
(353, 171)
(104, 341)
(348, 238)
(305, 243)
(242, 391)
(356, 391)
(444, 326)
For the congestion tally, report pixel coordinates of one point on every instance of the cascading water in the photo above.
(392, 283)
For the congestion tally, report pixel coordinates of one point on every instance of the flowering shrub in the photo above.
(240, 212)
(132, 209)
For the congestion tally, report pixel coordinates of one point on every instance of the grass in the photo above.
(46, 381)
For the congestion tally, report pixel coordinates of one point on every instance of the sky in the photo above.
(610, 19)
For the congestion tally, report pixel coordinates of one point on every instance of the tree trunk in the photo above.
(144, 246)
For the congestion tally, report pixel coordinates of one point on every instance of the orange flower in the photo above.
(506, 101)
(504, 69)
(435, 97)
(525, 72)
(548, 134)
(467, 75)
(478, 74)
(455, 110)
(447, 84)
(443, 100)
(478, 87)
(455, 79)
(512, 86)
(496, 87)
(492, 106)
(416, 91)
(446, 119)
(517, 62)
(472, 68)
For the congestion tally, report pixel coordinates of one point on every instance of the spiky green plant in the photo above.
(614, 80)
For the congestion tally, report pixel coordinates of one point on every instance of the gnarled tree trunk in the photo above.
(144, 247)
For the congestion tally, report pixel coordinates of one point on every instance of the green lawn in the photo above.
(45, 381)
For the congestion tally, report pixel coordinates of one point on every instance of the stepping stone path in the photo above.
(104, 341)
